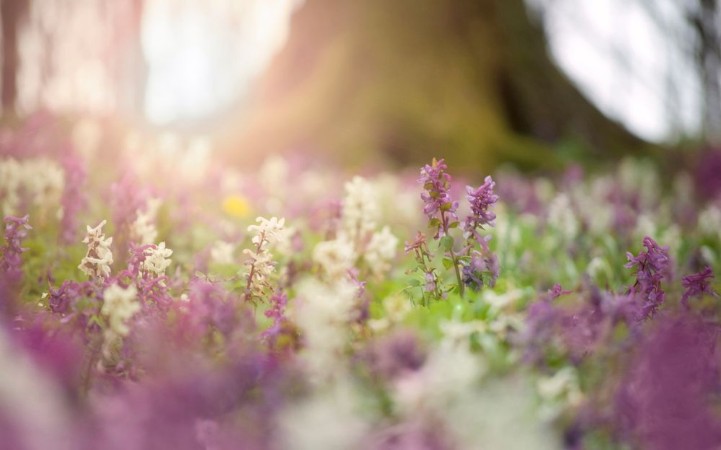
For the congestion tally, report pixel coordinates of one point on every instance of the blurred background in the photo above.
(480, 82)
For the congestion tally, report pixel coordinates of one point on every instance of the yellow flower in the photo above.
(236, 206)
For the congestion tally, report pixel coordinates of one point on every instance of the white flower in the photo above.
(380, 251)
(360, 209)
(323, 314)
(157, 259)
(330, 418)
(143, 229)
(98, 257)
(267, 230)
(266, 235)
(222, 252)
(709, 221)
(558, 390)
(499, 301)
(39, 180)
(640, 177)
(599, 269)
(119, 306)
(562, 218)
(335, 257)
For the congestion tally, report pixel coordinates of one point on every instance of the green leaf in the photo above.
(447, 263)
(446, 243)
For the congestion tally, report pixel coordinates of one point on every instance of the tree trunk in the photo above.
(12, 14)
(400, 81)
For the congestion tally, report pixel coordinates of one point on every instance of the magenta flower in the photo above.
(697, 284)
(480, 270)
(438, 205)
(278, 301)
(481, 199)
(651, 268)
(11, 262)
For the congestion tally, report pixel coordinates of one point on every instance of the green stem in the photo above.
(461, 287)
(446, 230)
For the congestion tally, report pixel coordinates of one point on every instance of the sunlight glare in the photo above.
(203, 56)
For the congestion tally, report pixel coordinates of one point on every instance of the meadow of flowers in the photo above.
(153, 298)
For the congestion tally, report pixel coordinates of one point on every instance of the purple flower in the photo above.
(417, 244)
(431, 282)
(438, 205)
(651, 268)
(62, 299)
(481, 199)
(707, 181)
(395, 355)
(666, 399)
(278, 301)
(473, 271)
(697, 284)
(277, 306)
(11, 262)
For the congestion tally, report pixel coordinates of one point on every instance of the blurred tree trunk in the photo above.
(401, 80)
(12, 14)
(704, 17)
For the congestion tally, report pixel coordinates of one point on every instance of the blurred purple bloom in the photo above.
(557, 291)
(54, 352)
(481, 199)
(211, 307)
(697, 284)
(706, 176)
(278, 301)
(651, 266)
(413, 435)
(73, 199)
(277, 306)
(438, 205)
(396, 354)
(11, 262)
(431, 282)
(665, 402)
(62, 299)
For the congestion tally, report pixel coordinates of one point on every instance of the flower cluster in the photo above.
(157, 259)
(99, 256)
(16, 230)
(267, 234)
(119, 306)
(697, 285)
(36, 182)
(481, 200)
(651, 266)
(359, 213)
(143, 230)
(357, 240)
(439, 207)
(475, 265)
(326, 324)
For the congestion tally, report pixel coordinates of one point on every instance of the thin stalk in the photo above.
(459, 280)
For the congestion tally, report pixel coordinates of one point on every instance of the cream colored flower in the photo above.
(99, 257)
(119, 306)
(157, 259)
